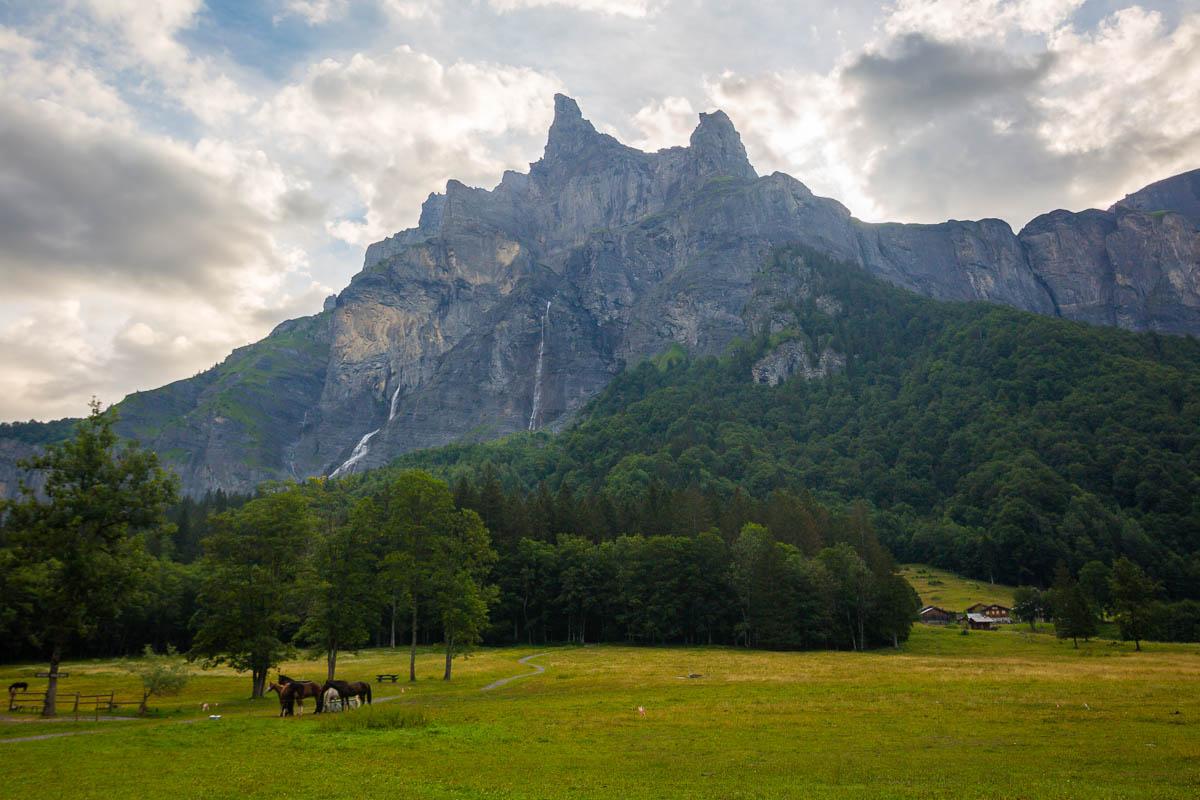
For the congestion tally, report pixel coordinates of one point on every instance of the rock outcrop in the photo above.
(793, 357)
(508, 309)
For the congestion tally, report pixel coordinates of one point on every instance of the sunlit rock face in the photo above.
(508, 309)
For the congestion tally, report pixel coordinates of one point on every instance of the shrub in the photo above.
(374, 718)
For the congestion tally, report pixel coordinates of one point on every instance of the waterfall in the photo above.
(537, 374)
(395, 397)
(360, 450)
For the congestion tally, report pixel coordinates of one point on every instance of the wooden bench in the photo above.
(393, 677)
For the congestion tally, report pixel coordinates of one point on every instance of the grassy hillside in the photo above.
(939, 587)
(990, 715)
(262, 389)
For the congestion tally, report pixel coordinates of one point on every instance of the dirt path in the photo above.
(537, 670)
(39, 737)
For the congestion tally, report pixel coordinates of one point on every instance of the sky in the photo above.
(179, 176)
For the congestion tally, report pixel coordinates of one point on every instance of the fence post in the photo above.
(76, 709)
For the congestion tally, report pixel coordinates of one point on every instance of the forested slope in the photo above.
(988, 440)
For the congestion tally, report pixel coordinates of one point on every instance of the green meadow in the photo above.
(1003, 714)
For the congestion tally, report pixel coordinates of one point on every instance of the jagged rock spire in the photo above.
(717, 143)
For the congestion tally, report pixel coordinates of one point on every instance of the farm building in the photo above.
(932, 615)
(980, 622)
(1001, 615)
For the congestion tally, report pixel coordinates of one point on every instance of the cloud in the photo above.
(664, 123)
(399, 123)
(81, 204)
(923, 126)
(979, 20)
(314, 12)
(625, 8)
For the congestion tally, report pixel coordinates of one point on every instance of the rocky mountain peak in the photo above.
(570, 134)
(717, 143)
(1179, 194)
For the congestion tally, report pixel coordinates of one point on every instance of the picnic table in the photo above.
(387, 676)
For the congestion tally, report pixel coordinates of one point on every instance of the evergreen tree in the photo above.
(1133, 594)
(1074, 616)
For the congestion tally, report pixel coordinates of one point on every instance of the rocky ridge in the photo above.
(508, 309)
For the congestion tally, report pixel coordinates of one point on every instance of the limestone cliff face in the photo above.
(507, 310)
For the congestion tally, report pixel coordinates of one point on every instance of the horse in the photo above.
(330, 701)
(357, 689)
(279, 689)
(19, 686)
(293, 693)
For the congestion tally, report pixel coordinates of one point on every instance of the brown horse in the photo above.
(292, 693)
(279, 690)
(295, 692)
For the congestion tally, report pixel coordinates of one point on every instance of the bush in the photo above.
(374, 718)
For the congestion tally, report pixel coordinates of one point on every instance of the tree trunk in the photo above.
(331, 663)
(258, 676)
(145, 699)
(1137, 645)
(449, 654)
(412, 653)
(49, 709)
(393, 645)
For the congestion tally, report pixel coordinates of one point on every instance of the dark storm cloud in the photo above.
(88, 202)
(953, 127)
(918, 77)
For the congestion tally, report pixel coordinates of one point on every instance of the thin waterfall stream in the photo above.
(537, 374)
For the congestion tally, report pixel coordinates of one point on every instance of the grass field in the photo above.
(937, 587)
(992, 714)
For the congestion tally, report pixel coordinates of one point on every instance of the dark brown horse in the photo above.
(19, 686)
(358, 690)
(292, 694)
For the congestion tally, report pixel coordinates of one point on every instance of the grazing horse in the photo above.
(19, 686)
(358, 690)
(295, 692)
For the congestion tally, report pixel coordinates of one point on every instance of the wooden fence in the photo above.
(87, 704)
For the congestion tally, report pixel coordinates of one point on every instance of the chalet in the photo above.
(932, 615)
(980, 622)
(1001, 615)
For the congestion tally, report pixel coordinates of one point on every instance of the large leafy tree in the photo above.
(463, 558)
(413, 514)
(78, 544)
(337, 584)
(249, 597)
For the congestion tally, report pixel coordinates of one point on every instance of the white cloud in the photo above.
(626, 8)
(664, 123)
(937, 119)
(399, 123)
(978, 19)
(314, 12)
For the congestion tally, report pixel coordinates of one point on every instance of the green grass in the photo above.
(1003, 714)
(937, 587)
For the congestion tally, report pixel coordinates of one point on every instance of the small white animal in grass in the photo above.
(641, 711)
(204, 707)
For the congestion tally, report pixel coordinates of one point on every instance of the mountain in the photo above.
(508, 310)
(991, 441)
